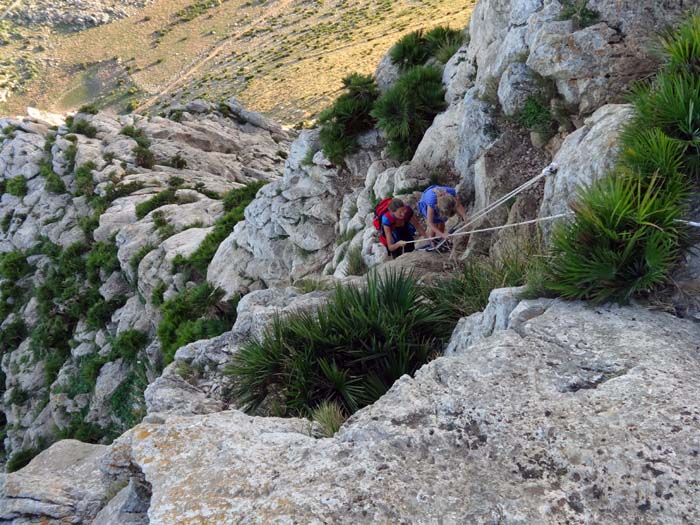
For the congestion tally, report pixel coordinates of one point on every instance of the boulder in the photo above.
(517, 84)
(437, 150)
(476, 132)
(551, 423)
(60, 485)
(387, 73)
(585, 156)
(458, 75)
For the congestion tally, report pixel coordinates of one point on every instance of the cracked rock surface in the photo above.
(566, 414)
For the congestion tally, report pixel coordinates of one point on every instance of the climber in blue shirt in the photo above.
(437, 205)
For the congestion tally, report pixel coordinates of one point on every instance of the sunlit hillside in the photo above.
(282, 57)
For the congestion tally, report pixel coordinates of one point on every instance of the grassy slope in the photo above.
(282, 57)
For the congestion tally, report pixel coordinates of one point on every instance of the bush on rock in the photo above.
(348, 117)
(627, 233)
(349, 352)
(407, 110)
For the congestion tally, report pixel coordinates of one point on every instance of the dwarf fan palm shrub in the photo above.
(443, 42)
(627, 234)
(625, 239)
(682, 48)
(407, 110)
(411, 50)
(348, 117)
(672, 104)
(349, 352)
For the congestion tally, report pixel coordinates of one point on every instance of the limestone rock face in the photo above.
(289, 231)
(514, 88)
(551, 419)
(585, 156)
(61, 485)
(199, 156)
(387, 73)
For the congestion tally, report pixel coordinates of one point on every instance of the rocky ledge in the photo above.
(570, 414)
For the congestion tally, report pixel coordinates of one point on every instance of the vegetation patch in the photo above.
(235, 203)
(159, 199)
(83, 179)
(349, 352)
(407, 110)
(196, 313)
(81, 127)
(536, 115)
(626, 236)
(54, 184)
(579, 13)
(416, 48)
(16, 186)
(348, 117)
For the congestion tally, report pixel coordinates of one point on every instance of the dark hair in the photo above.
(396, 204)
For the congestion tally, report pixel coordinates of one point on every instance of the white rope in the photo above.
(689, 223)
(494, 228)
(549, 170)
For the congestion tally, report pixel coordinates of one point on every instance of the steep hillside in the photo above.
(198, 322)
(282, 57)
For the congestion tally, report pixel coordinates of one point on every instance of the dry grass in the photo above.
(283, 57)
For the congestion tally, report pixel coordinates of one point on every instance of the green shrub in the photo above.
(13, 265)
(411, 50)
(626, 237)
(137, 134)
(348, 117)
(54, 184)
(127, 401)
(536, 115)
(83, 179)
(157, 294)
(625, 240)
(356, 264)
(69, 154)
(101, 312)
(579, 13)
(329, 416)
(196, 313)
(159, 199)
(128, 345)
(165, 229)
(144, 157)
(349, 352)
(12, 335)
(3, 187)
(682, 48)
(102, 257)
(443, 42)
(88, 109)
(235, 203)
(668, 103)
(21, 459)
(16, 186)
(83, 382)
(82, 430)
(83, 127)
(407, 110)
(17, 396)
(6, 222)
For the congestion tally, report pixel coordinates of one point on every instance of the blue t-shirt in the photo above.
(429, 200)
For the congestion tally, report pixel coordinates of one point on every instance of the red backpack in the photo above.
(380, 211)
